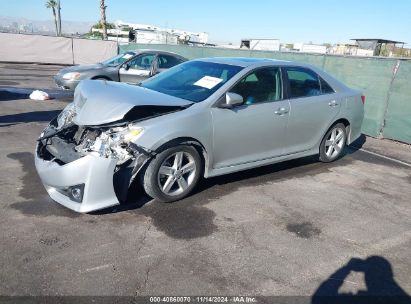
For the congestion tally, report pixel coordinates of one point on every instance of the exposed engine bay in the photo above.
(72, 142)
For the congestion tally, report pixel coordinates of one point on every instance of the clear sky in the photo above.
(319, 21)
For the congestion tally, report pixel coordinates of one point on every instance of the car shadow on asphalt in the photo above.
(356, 145)
(215, 187)
(7, 95)
(37, 116)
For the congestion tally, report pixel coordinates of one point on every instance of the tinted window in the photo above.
(303, 83)
(166, 61)
(119, 59)
(260, 86)
(141, 62)
(325, 87)
(192, 80)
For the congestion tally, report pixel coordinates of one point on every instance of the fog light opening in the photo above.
(76, 193)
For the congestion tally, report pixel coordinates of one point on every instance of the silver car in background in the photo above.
(202, 118)
(131, 67)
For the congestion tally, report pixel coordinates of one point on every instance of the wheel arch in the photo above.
(342, 120)
(188, 141)
(347, 125)
(101, 77)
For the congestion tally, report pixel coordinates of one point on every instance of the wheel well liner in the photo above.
(102, 77)
(342, 120)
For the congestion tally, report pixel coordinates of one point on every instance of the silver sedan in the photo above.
(202, 118)
(131, 67)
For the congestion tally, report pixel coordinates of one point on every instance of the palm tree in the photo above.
(103, 18)
(59, 16)
(53, 4)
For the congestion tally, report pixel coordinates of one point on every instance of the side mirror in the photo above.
(232, 100)
(125, 66)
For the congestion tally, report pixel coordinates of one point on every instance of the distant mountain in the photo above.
(16, 24)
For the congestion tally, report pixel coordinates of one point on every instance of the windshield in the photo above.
(119, 59)
(193, 80)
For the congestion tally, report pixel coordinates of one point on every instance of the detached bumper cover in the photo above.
(94, 172)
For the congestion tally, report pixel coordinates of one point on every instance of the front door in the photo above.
(254, 130)
(138, 69)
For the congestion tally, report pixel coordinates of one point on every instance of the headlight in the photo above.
(71, 76)
(113, 143)
(66, 116)
(131, 134)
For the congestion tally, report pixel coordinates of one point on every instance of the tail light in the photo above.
(363, 99)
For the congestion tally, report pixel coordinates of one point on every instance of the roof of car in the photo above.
(261, 62)
(243, 61)
(156, 51)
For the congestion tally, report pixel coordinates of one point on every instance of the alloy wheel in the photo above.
(334, 143)
(176, 173)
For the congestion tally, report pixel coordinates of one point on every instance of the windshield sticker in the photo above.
(127, 56)
(208, 82)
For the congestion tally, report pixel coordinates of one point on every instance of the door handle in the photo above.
(333, 103)
(281, 111)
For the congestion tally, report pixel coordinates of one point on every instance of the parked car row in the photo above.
(198, 119)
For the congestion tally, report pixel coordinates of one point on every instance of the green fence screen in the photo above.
(397, 123)
(385, 82)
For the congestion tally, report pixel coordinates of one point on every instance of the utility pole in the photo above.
(58, 18)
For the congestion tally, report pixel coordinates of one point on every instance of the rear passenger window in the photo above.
(303, 83)
(325, 87)
(166, 61)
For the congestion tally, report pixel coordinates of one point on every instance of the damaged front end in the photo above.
(65, 143)
(89, 155)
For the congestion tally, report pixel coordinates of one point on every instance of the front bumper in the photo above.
(94, 172)
(65, 83)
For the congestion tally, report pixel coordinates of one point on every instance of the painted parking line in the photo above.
(386, 157)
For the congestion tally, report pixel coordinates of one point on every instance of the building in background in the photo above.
(260, 44)
(310, 48)
(379, 47)
(350, 49)
(151, 34)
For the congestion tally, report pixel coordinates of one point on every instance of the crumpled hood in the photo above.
(100, 102)
(81, 68)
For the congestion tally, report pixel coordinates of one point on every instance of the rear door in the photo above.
(166, 61)
(138, 68)
(313, 106)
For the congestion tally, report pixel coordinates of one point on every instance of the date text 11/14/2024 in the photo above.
(203, 299)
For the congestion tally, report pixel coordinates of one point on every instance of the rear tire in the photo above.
(333, 143)
(173, 173)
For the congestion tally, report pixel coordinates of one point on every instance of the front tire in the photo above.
(173, 173)
(333, 143)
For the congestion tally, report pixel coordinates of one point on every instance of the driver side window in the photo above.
(141, 62)
(262, 85)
